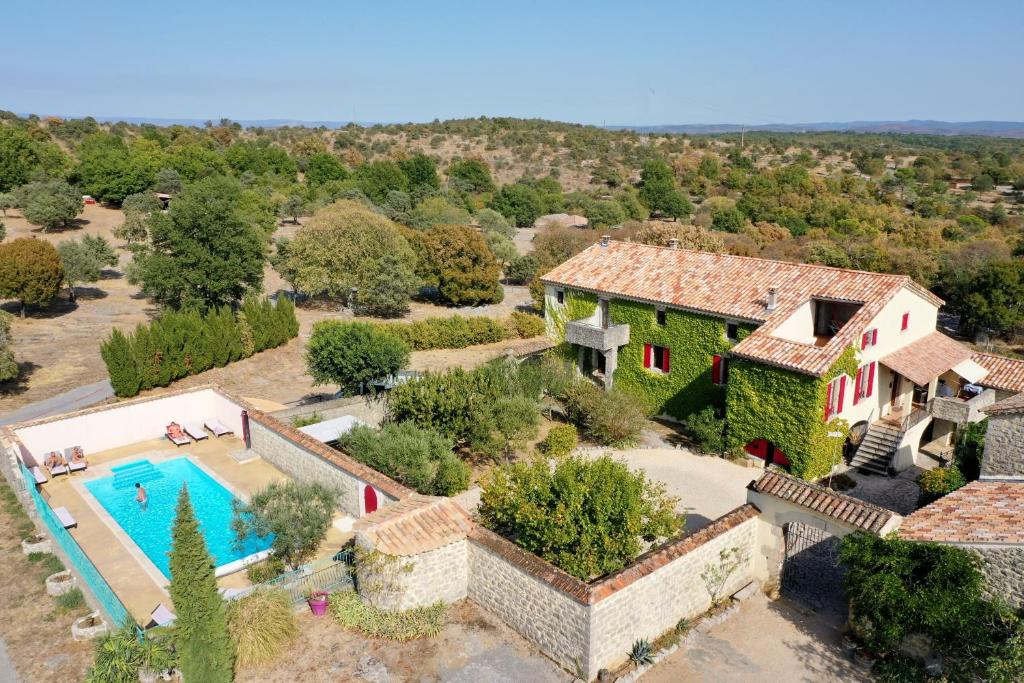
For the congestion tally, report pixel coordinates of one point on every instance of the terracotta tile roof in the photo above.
(736, 287)
(415, 525)
(1005, 374)
(927, 358)
(981, 512)
(839, 506)
(1014, 404)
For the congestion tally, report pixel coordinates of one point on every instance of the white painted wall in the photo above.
(799, 326)
(128, 423)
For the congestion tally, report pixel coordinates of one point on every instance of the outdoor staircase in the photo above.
(876, 450)
(126, 476)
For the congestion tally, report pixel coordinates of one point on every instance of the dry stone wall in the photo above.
(1003, 454)
(1002, 569)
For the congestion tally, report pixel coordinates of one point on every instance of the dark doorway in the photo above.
(811, 572)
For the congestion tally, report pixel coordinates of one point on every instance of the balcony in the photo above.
(960, 411)
(595, 337)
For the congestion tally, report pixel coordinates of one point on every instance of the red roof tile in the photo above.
(981, 512)
(1005, 374)
(927, 358)
(820, 499)
(1014, 404)
(415, 525)
(736, 287)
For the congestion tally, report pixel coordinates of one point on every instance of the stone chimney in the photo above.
(605, 239)
(773, 299)
(673, 243)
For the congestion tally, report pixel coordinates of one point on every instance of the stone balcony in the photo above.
(959, 411)
(595, 337)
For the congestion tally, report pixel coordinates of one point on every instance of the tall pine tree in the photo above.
(201, 636)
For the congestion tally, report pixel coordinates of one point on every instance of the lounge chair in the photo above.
(176, 436)
(75, 458)
(38, 474)
(161, 616)
(195, 430)
(65, 517)
(54, 462)
(217, 428)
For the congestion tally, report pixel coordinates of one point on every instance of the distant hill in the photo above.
(1004, 129)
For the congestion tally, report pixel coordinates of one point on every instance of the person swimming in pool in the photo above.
(141, 496)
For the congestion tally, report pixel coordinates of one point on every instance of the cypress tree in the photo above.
(147, 357)
(124, 374)
(201, 637)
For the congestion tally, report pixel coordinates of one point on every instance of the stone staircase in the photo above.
(876, 450)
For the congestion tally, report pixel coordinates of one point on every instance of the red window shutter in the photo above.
(716, 369)
(871, 378)
(842, 393)
(647, 355)
(856, 386)
(665, 364)
(864, 341)
(874, 336)
(905, 323)
(828, 402)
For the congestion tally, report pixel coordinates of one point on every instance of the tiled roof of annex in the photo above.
(415, 525)
(736, 287)
(1005, 374)
(1010, 406)
(856, 513)
(981, 512)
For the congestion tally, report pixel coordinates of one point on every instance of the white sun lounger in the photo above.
(161, 616)
(61, 468)
(182, 440)
(194, 430)
(65, 517)
(72, 465)
(216, 427)
(38, 474)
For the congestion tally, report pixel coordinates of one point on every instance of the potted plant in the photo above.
(318, 602)
(60, 583)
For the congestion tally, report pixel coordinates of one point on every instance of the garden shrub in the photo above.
(898, 588)
(560, 441)
(298, 515)
(349, 610)
(265, 570)
(262, 624)
(707, 429)
(419, 458)
(524, 325)
(120, 654)
(970, 448)
(353, 355)
(936, 483)
(588, 517)
(458, 332)
(306, 420)
(612, 418)
(522, 270)
(183, 343)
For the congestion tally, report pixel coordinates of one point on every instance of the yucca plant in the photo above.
(642, 653)
(119, 656)
(262, 624)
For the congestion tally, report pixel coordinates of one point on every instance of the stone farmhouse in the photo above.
(803, 361)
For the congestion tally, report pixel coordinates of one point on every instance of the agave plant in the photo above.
(642, 653)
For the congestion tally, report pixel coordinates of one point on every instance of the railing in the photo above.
(81, 563)
(916, 416)
(321, 575)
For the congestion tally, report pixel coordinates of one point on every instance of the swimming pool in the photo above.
(150, 529)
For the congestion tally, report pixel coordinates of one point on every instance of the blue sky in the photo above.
(592, 62)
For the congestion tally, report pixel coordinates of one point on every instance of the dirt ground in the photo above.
(38, 639)
(474, 646)
(58, 348)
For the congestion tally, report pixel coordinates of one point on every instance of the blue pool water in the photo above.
(151, 528)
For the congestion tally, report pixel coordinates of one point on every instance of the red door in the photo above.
(758, 448)
(369, 500)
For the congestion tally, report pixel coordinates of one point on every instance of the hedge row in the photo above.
(182, 343)
(457, 332)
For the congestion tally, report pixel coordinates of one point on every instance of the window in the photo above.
(864, 385)
(656, 358)
(834, 397)
(732, 331)
(719, 370)
(869, 338)
(560, 295)
(905, 323)
(659, 317)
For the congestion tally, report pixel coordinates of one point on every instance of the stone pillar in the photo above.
(611, 361)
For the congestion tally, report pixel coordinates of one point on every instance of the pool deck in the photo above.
(137, 582)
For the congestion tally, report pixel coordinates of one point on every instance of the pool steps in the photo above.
(141, 471)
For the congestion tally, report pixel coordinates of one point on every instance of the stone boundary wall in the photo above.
(1003, 440)
(1001, 566)
(591, 626)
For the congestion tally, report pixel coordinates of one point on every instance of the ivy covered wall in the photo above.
(578, 306)
(787, 409)
(692, 340)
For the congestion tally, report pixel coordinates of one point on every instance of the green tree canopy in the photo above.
(470, 175)
(9, 369)
(658, 190)
(298, 515)
(377, 178)
(519, 203)
(110, 168)
(204, 251)
(24, 159)
(421, 171)
(260, 157)
(50, 203)
(30, 271)
(588, 517)
(324, 167)
(461, 265)
(84, 260)
(353, 354)
(205, 650)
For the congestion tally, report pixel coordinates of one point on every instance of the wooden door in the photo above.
(369, 500)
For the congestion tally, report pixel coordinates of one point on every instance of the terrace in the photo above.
(112, 436)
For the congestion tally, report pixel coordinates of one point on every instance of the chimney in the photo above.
(773, 299)
(673, 243)
(605, 239)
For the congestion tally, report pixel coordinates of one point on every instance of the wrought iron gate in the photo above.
(811, 572)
